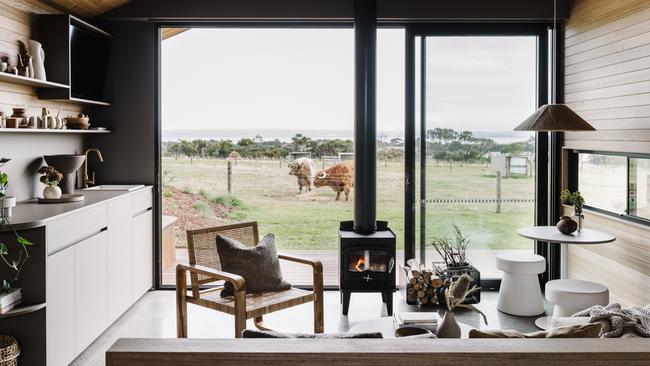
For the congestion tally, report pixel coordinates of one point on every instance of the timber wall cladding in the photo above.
(18, 22)
(607, 82)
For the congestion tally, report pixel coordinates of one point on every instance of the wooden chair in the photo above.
(205, 268)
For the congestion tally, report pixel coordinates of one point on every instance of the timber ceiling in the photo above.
(82, 8)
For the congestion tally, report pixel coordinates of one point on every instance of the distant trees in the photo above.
(300, 142)
(445, 144)
(255, 147)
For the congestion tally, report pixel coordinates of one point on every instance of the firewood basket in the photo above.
(9, 351)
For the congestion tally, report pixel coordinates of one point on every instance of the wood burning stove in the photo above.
(367, 263)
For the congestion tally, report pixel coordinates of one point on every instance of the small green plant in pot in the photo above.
(16, 257)
(576, 200)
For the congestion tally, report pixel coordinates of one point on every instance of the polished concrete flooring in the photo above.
(154, 316)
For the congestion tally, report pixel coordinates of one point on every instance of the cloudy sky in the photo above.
(304, 79)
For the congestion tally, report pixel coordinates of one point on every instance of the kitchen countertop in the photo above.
(30, 214)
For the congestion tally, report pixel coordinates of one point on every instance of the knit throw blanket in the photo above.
(631, 322)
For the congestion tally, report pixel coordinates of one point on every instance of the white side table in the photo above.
(552, 235)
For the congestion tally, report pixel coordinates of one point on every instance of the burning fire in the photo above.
(361, 265)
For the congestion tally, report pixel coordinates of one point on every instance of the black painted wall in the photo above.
(129, 152)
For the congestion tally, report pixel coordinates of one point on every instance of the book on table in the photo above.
(9, 300)
(426, 320)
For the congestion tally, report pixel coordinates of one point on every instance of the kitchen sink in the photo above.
(115, 187)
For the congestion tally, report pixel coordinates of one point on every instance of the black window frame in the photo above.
(547, 161)
(574, 183)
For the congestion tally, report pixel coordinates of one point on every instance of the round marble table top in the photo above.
(385, 326)
(552, 235)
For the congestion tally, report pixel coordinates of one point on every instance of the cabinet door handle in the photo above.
(143, 212)
(78, 241)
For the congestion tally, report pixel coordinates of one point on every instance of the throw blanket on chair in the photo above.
(631, 322)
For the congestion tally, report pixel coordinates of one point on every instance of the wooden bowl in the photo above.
(77, 123)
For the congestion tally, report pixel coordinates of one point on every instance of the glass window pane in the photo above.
(639, 187)
(603, 181)
(479, 173)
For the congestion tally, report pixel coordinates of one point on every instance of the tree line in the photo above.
(446, 144)
(256, 148)
(443, 144)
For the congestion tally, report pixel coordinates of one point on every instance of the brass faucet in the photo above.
(87, 179)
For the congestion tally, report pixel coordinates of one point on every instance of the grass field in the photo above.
(269, 195)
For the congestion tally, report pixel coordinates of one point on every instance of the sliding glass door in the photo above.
(475, 179)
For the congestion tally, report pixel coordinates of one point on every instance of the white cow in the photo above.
(305, 170)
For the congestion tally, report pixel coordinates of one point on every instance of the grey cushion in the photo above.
(259, 265)
(271, 334)
(591, 330)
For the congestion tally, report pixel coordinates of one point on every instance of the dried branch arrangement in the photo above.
(452, 250)
(457, 293)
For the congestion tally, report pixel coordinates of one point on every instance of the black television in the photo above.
(89, 52)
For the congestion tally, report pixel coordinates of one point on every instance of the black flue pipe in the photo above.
(365, 124)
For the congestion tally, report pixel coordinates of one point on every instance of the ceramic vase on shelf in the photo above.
(448, 327)
(36, 49)
(52, 192)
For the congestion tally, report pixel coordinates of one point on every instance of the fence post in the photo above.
(498, 191)
(229, 177)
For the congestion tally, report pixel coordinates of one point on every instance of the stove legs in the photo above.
(386, 298)
(345, 300)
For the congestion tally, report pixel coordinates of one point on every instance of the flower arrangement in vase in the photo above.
(15, 261)
(577, 201)
(455, 297)
(51, 178)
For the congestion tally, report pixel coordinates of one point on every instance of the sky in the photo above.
(304, 79)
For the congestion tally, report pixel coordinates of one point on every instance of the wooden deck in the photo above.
(484, 260)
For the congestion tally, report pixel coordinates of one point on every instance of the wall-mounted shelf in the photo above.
(80, 101)
(51, 131)
(22, 310)
(34, 83)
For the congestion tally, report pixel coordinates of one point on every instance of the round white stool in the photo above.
(572, 296)
(520, 293)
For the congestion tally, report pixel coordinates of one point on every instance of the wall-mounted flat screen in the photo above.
(89, 53)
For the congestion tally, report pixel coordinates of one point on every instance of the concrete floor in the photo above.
(154, 316)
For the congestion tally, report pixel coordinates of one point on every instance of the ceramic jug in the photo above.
(39, 60)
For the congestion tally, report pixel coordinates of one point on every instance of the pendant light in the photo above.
(554, 117)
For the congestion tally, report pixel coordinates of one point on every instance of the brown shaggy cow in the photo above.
(339, 177)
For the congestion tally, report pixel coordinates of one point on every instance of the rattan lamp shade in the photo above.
(554, 117)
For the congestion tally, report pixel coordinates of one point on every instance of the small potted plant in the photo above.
(577, 201)
(51, 178)
(453, 251)
(456, 297)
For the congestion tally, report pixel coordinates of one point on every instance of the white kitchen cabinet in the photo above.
(119, 258)
(100, 262)
(60, 309)
(142, 245)
(90, 298)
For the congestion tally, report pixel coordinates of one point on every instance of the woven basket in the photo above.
(9, 351)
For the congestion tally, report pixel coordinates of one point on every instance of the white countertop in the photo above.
(31, 214)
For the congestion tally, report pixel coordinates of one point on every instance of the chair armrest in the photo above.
(237, 281)
(315, 264)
